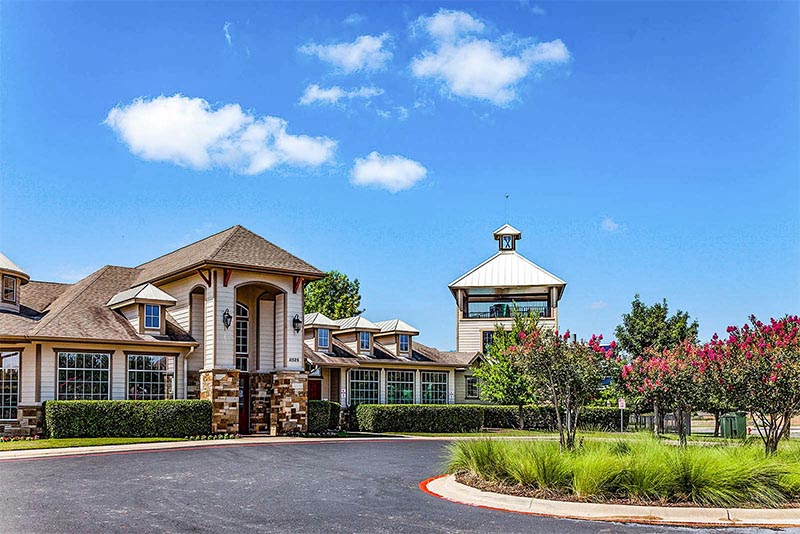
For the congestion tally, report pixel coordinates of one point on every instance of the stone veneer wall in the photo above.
(221, 387)
(289, 410)
(29, 422)
(192, 384)
(260, 399)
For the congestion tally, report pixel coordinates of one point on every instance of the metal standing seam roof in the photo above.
(143, 292)
(507, 229)
(507, 269)
(357, 323)
(319, 320)
(396, 325)
(9, 266)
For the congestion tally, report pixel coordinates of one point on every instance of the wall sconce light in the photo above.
(227, 318)
(297, 323)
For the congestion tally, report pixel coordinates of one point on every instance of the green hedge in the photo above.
(535, 417)
(101, 419)
(333, 421)
(419, 418)
(603, 418)
(319, 414)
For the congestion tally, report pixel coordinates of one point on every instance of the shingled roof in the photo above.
(236, 246)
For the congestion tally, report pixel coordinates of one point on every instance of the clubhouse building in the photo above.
(222, 319)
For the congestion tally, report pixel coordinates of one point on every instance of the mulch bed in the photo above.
(518, 490)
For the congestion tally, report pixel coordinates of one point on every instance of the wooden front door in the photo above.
(244, 404)
(315, 390)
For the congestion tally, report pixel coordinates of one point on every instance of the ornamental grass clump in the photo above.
(542, 467)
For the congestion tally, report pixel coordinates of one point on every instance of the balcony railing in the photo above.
(505, 311)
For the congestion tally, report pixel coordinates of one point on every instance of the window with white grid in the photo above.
(434, 387)
(151, 377)
(152, 316)
(9, 384)
(400, 387)
(363, 386)
(404, 342)
(242, 337)
(83, 376)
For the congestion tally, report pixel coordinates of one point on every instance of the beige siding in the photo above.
(266, 342)
(181, 291)
(131, 313)
(119, 378)
(461, 389)
(469, 331)
(280, 333)
(27, 373)
(197, 331)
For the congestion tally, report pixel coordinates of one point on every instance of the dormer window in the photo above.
(323, 338)
(152, 317)
(404, 342)
(364, 341)
(9, 289)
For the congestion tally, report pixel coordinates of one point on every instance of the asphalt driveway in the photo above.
(347, 487)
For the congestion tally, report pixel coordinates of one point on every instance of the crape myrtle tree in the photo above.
(758, 366)
(568, 372)
(670, 378)
(502, 380)
(335, 296)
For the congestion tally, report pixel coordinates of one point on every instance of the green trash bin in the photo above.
(733, 425)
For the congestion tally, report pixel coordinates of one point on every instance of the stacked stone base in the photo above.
(221, 387)
(29, 422)
(289, 403)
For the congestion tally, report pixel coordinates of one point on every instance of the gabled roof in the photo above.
(507, 269)
(357, 323)
(319, 320)
(236, 246)
(8, 266)
(398, 326)
(507, 229)
(146, 292)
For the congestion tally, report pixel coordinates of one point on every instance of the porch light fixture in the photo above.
(227, 318)
(296, 323)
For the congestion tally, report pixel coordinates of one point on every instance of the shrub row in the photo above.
(322, 416)
(123, 418)
(470, 418)
(419, 418)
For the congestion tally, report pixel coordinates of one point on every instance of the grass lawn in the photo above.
(76, 442)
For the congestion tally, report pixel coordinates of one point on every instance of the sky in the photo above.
(649, 148)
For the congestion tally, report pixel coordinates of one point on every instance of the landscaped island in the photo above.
(637, 470)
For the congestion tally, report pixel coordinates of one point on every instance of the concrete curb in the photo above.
(446, 487)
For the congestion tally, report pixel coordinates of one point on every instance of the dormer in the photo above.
(11, 278)
(144, 307)
(319, 331)
(507, 237)
(357, 332)
(396, 336)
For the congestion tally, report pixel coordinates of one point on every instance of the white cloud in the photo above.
(538, 10)
(332, 95)
(354, 18)
(190, 133)
(468, 66)
(226, 28)
(598, 305)
(609, 225)
(393, 173)
(366, 53)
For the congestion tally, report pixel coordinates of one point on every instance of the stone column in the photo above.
(289, 412)
(260, 401)
(221, 387)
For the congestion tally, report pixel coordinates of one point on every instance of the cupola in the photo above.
(506, 237)
(12, 278)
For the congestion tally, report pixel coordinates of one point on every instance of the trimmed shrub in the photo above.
(319, 414)
(603, 418)
(419, 418)
(500, 417)
(333, 421)
(544, 417)
(135, 419)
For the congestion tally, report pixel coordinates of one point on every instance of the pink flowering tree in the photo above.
(568, 373)
(671, 378)
(759, 369)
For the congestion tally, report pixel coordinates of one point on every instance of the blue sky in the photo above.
(646, 147)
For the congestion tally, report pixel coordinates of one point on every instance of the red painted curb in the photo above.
(192, 448)
(424, 487)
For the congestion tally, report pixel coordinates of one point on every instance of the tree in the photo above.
(569, 373)
(758, 366)
(335, 296)
(647, 327)
(502, 381)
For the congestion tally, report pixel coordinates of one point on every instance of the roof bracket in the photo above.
(298, 283)
(205, 275)
(226, 276)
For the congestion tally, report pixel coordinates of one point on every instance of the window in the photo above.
(507, 243)
(364, 343)
(400, 387)
(9, 384)
(83, 376)
(487, 338)
(403, 342)
(242, 337)
(363, 386)
(472, 387)
(151, 377)
(323, 340)
(152, 316)
(434, 387)
(9, 289)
